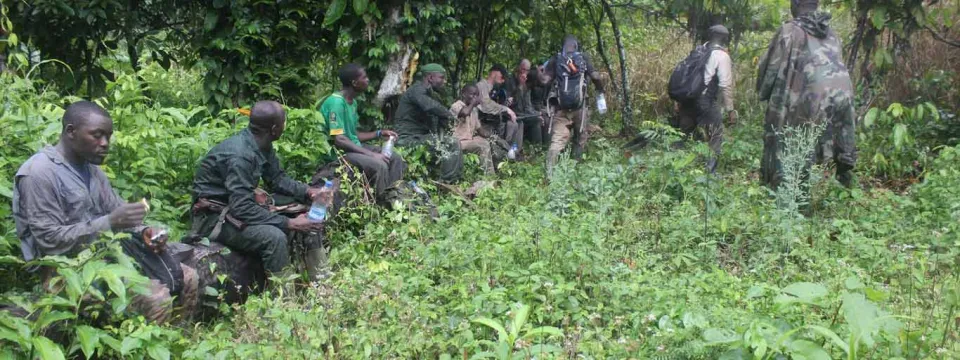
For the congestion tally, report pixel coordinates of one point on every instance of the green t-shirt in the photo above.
(340, 118)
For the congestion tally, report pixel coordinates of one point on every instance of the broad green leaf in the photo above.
(879, 18)
(158, 352)
(802, 292)
(830, 335)
(116, 286)
(89, 338)
(519, 319)
(694, 320)
(900, 135)
(129, 344)
(493, 324)
(870, 117)
(807, 350)
(360, 6)
(866, 319)
(895, 109)
(852, 283)
(714, 336)
(334, 12)
(47, 349)
(48, 318)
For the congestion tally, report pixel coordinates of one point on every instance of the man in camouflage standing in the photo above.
(805, 82)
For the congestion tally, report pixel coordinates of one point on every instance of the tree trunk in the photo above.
(601, 47)
(625, 89)
(396, 69)
(461, 59)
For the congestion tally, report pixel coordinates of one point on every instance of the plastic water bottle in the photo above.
(318, 211)
(416, 189)
(601, 104)
(387, 149)
(512, 154)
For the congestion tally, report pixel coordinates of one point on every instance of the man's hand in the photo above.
(155, 239)
(388, 133)
(380, 157)
(303, 223)
(127, 216)
(732, 117)
(313, 192)
(510, 101)
(513, 115)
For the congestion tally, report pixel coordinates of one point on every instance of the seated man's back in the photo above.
(225, 205)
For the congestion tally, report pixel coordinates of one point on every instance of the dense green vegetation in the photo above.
(625, 255)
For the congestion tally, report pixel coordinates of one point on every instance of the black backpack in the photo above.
(686, 81)
(571, 81)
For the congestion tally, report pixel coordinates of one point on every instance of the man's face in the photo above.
(524, 68)
(91, 139)
(497, 77)
(436, 80)
(362, 81)
(569, 45)
(280, 127)
(470, 95)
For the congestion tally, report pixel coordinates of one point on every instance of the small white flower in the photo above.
(621, 340)
(661, 348)
(651, 317)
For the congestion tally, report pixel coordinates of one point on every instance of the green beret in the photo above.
(432, 68)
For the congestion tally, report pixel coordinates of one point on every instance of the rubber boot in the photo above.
(711, 165)
(845, 175)
(316, 263)
(577, 152)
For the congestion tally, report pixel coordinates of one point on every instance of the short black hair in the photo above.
(498, 67)
(809, 5)
(467, 87)
(349, 73)
(79, 112)
(265, 115)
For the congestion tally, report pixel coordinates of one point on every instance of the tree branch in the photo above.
(941, 38)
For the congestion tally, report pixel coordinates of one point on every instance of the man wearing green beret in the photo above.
(421, 119)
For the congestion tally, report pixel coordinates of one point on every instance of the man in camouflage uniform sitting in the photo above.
(421, 119)
(226, 208)
(805, 82)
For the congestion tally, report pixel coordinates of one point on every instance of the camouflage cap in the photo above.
(432, 68)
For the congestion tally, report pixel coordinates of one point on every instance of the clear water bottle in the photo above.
(512, 154)
(387, 149)
(601, 104)
(318, 211)
(417, 189)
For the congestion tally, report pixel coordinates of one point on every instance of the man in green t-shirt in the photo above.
(340, 115)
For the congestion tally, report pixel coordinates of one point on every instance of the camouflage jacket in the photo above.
(803, 73)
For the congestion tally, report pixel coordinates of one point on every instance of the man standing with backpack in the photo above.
(697, 83)
(569, 71)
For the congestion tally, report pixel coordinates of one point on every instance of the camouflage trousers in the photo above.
(445, 149)
(837, 142)
(491, 151)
